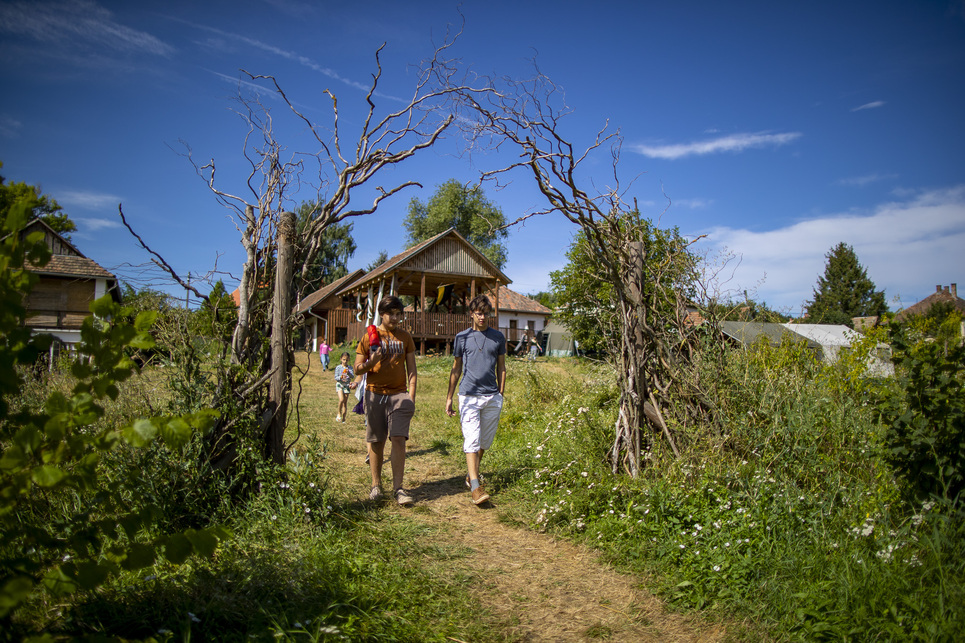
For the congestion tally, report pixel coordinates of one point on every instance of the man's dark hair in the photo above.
(481, 302)
(390, 303)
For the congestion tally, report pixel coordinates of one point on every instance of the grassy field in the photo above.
(782, 523)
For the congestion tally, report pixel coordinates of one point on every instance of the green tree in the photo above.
(380, 259)
(747, 310)
(217, 315)
(63, 527)
(548, 299)
(335, 246)
(468, 211)
(585, 297)
(844, 291)
(44, 207)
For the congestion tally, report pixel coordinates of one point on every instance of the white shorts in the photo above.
(479, 415)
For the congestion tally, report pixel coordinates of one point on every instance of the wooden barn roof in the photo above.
(320, 295)
(66, 260)
(69, 266)
(445, 258)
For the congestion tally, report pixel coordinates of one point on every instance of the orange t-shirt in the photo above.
(388, 376)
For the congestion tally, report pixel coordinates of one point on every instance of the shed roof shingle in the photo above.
(70, 266)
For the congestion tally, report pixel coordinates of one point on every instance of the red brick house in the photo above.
(947, 294)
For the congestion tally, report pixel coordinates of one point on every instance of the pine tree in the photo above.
(845, 291)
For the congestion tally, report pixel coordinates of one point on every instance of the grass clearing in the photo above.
(785, 523)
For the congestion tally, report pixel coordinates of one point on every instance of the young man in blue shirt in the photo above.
(480, 359)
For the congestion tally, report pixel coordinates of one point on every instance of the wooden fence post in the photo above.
(281, 308)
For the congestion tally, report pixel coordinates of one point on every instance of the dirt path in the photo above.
(542, 588)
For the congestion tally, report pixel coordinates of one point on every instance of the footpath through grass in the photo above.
(785, 519)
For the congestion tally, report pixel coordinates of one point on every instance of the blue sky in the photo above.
(776, 129)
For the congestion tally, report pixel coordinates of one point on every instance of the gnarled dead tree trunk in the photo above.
(651, 347)
(256, 388)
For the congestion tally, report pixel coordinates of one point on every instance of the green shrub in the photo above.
(788, 515)
(62, 528)
(925, 435)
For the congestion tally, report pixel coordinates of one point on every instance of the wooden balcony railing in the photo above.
(427, 329)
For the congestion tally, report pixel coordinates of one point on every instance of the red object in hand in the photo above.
(374, 341)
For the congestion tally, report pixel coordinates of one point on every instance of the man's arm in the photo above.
(363, 365)
(453, 380)
(501, 372)
(413, 374)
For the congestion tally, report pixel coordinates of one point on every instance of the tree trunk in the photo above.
(278, 390)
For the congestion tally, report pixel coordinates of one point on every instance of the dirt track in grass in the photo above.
(537, 587)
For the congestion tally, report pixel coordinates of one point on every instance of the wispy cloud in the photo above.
(10, 127)
(305, 61)
(93, 224)
(907, 247)
(693, 204)
(247, 84)
(87, 200)
(731, 143)
(872, 105)
(867, 179)
(76, 23)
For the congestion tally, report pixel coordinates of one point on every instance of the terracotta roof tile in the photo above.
(510, 300)
(940, 295)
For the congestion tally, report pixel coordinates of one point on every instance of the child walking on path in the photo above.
(323, 350)
(534, 350)
(344, 383)
(480, 358)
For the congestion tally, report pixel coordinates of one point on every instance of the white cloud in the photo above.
(731, 143)
(253, 87)
(693, 204)
(286, 54)
(10, 127)
(871, 105)
(867, 179)
(87, 200)
(907, 247)
(76, 23)
(93, 225)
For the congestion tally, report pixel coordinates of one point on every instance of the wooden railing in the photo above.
(429, 330)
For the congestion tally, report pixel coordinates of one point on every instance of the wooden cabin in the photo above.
(60, 301)
(437, 278)
(316, 312)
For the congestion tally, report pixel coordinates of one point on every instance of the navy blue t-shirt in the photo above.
(479, 352)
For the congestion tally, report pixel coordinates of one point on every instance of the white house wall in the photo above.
(522, 320)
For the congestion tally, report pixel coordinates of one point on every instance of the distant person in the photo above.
(534, 350)
(323, 350)
(521, 346)
(344, 385)
(390, 389)
(480, 358)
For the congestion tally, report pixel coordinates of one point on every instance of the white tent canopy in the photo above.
(559, 341)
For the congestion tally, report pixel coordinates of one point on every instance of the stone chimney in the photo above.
(954, 290)
(938, 288)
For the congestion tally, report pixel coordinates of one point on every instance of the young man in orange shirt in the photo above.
(390, 389)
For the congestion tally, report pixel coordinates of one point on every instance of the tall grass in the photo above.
(788, 514)
(784, 514)
(305, 562)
